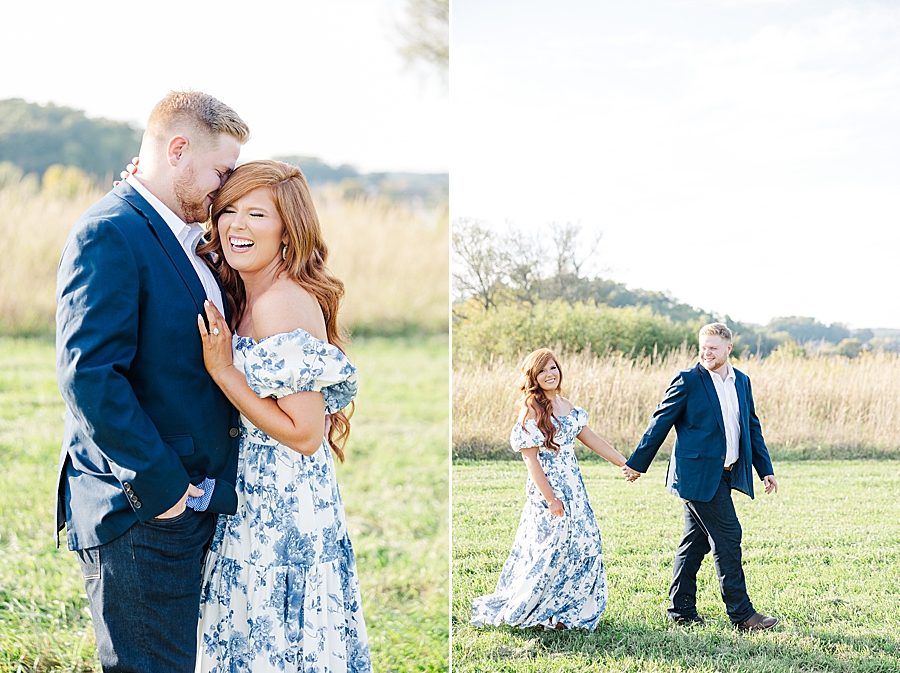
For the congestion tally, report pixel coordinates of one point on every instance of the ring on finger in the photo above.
(215, 331)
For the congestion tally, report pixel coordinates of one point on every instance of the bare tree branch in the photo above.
(426, 34)
(479, 267)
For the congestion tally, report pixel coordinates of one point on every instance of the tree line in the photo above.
(496, 270)
(35, 137)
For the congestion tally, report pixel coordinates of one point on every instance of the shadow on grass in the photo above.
(629, 645)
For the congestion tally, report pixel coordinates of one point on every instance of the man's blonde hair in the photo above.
(716, 329)
(197, 114)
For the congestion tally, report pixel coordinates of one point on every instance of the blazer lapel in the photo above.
(740, 386)
(710, 387)
(168, 241)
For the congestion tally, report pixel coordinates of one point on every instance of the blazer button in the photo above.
(234, 432)
(723, 457)
(137, 505)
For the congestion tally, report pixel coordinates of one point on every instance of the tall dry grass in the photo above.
(808, 407)
(393, 257)
(34, 226)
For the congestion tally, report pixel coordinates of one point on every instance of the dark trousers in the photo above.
(144, 591)
(710, 526)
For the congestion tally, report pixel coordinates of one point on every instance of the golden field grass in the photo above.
(393, 258)
(814, 407)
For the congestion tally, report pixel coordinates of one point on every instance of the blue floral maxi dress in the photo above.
(280, 589)
(555, 569)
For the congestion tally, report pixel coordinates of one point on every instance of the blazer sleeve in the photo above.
(761, 461)
(667, 413)
(98, 299)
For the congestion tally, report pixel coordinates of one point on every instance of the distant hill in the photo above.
(34, 137)
(429, 188)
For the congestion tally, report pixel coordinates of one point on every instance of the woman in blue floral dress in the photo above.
(554, 575)
(280, 590)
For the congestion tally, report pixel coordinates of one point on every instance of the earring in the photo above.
(284, 252)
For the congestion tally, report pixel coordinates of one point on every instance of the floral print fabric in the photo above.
(555, 569)
(280, 589)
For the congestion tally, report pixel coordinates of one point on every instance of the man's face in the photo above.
(202, 173)
(714, 351)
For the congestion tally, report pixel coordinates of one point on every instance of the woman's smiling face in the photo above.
(548, 377)
(252, 232)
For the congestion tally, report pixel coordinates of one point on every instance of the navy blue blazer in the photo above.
(691, 405)
(143, 417)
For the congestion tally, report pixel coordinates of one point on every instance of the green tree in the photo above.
(317, 171)
(64, 181)
(864, 335)
(849, 348)
(10, 174)
(34, 137)
(511, 330)
(804, 329)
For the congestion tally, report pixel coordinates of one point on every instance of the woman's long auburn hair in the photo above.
(534, 397)
(304, 259)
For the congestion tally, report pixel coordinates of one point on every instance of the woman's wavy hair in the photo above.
(534, 397)
(304, 260)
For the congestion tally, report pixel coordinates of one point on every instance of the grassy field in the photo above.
(810, 407)
(823, 555)
(394, 483)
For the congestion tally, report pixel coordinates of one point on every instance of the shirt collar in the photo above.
(183, 232)
(729, 375)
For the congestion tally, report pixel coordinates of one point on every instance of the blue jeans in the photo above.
(710, 526)
(144, 591)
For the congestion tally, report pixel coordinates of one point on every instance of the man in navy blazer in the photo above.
(718, 440)
(150, 448)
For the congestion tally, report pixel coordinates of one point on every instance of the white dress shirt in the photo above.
(188, 236)
(731, 413)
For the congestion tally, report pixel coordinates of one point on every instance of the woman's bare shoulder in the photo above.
(285, 307)
(526, 412)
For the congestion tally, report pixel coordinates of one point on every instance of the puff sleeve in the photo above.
(297, 362)
(527, 437)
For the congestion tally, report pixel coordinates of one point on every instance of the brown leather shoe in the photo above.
(758, 622)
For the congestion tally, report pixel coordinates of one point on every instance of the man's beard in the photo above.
(716, 364)
(192, 205)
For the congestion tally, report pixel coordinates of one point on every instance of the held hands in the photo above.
(771, 484)
(217, 355)
(557, 508)
(630, 475)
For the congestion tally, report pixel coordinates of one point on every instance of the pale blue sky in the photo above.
(694, 134)
(312, 78)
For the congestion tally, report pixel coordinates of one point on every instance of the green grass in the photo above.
(394, 483)
(823, 555)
